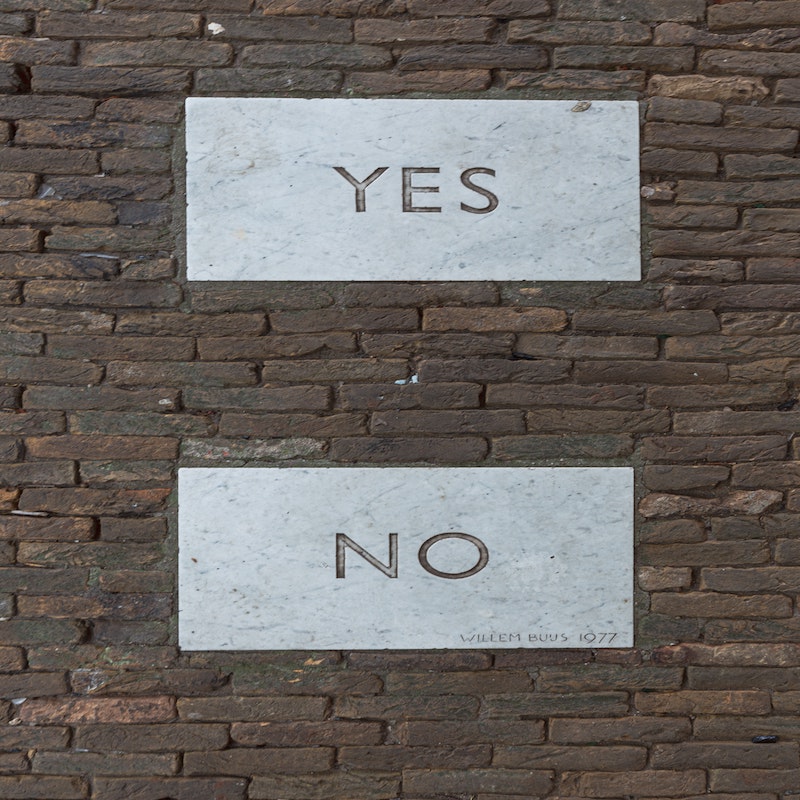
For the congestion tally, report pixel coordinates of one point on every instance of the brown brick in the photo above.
(106, 397)
(111, 25)
(605, 33)
(650, 783)
(706, 553)
(161, 52)
(252, 709)
(151, 738)
(490, 370)
(746, 502)
(553, 420)
(265, 80)
(494, 781)
(753, 14)
(561, 757)
(612, 397)
(389, 396)
(549, 704)
(350, 319)
(648, 372)
(494, 319)
(254, 296)
(667, 59)
(320, 786)
(576, 80)
(467, 80)
(165, 323)
(265, 347)
(406, 707)
(91, 134)
(379, 31)
(644, 10)
(94, 710)
(296, 760)
(264, 399)
(29, 632)
(47, 212)
(422, 733)
(669, 109)
(478, 683)
(38, 787)
(51, 265)
(715, 89)
(736, 780)
(17, 185)
(330, 56)
(309, 681)
(765, 270)
(760, 166)
(618, 731)
(130, 447)
(654, 579)
(646, 322)
(19, 239)
(509, 448)
(473, 56)
(36, 51)
(737, 193)
(787, 91)
(108, 80)
(708, 604)
(499, 8)
(727, 579)
(579, 347)
(155, 373)
(335, 369)
(293, 734)
(715, 396)
(602, 677)
(385, 449)
(107, 763)
(266, 425)
(432, 422)
(86, 502)
(668, 161)
(677, 269)
(760, 677)
(238, 452)
(393, 757)
(706, 702)
(112, 187)
(299, 29)
(736, 139)
(716, 449)
(678, 478)
(33, 684)
(176, 788)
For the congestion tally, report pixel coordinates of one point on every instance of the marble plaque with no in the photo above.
(405, 558)
(411, 190)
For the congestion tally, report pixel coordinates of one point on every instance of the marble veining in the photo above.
(448, 189)
(405, 558)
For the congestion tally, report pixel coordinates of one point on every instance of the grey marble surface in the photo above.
(550, 549)
(555, 195)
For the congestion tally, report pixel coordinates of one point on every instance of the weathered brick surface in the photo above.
(114, 372)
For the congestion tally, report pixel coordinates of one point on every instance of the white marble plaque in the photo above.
(405, 558)
(412, 190)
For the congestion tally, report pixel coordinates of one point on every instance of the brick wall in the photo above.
(114, 371)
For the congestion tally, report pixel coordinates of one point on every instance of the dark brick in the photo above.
(265, 81)
(473, 56)
(376, 449)
(175, 788)
(644, 10)
(109, 80)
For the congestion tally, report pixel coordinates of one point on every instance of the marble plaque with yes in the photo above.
(405, 558)
(411, 190)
